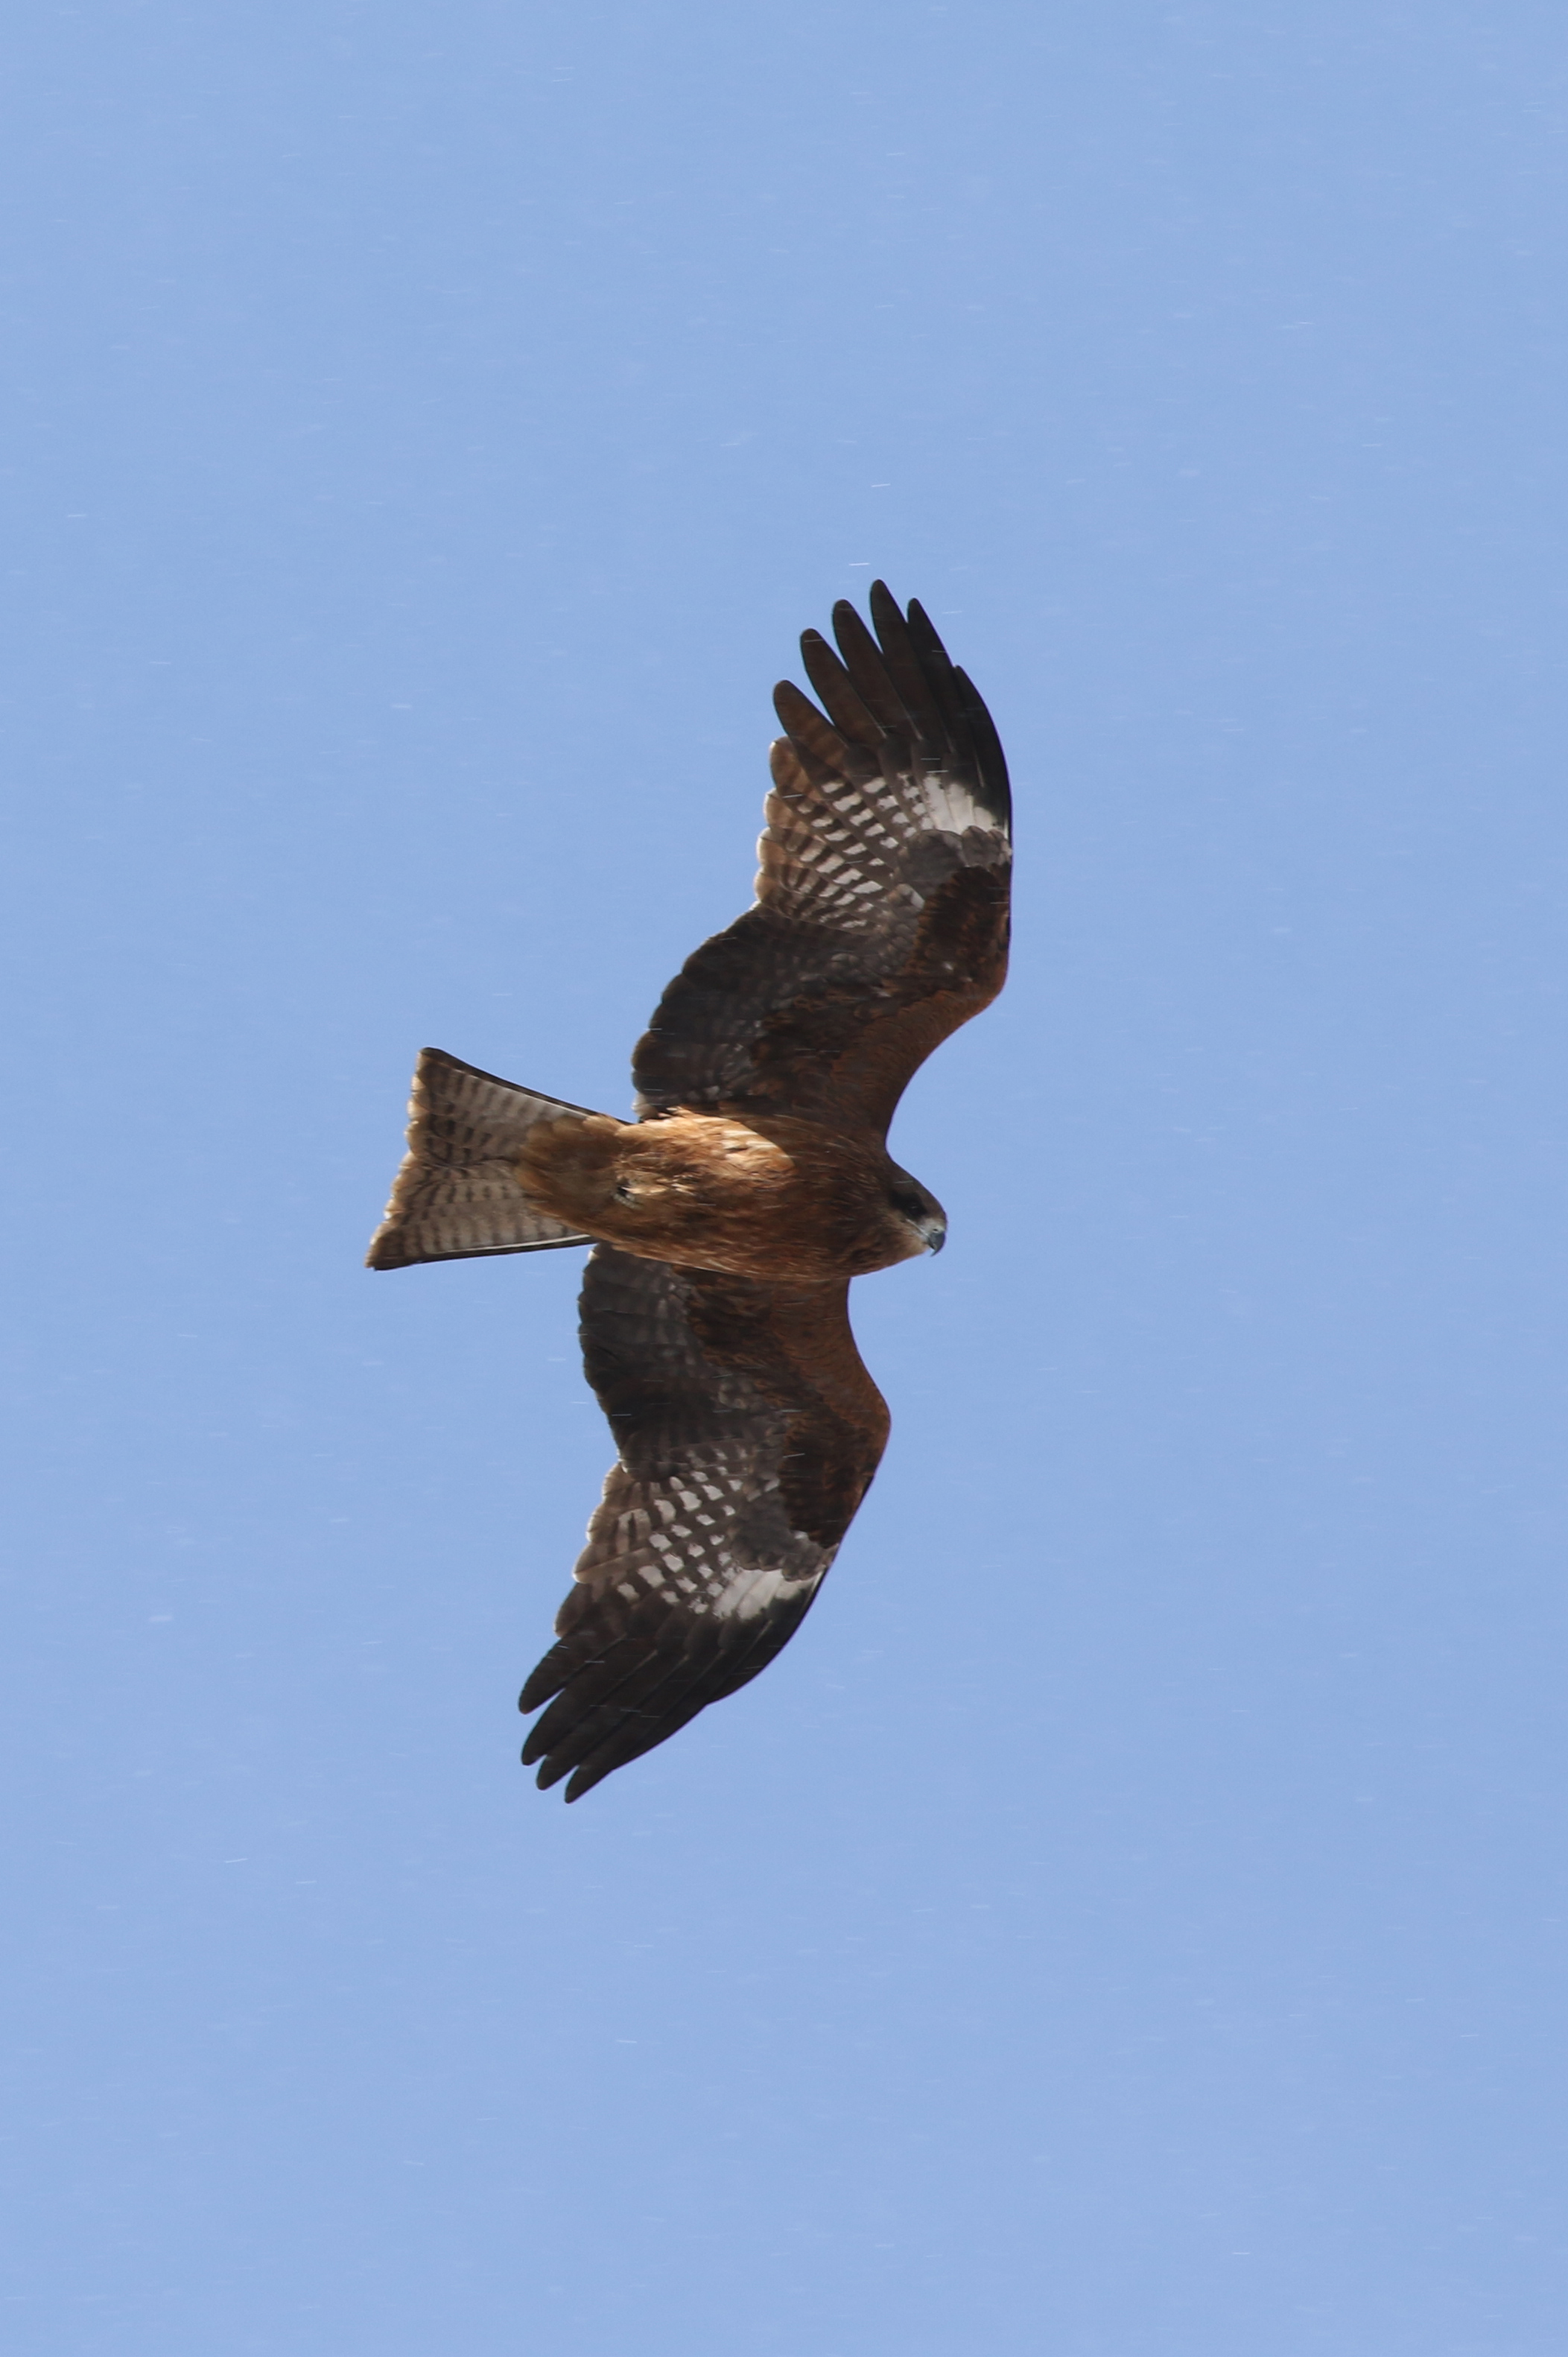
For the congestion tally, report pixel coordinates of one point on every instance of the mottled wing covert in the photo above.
(881, 920)
(749, 1432)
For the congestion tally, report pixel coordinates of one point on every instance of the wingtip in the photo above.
(551, 1772)
(902, 681)
(884, 608)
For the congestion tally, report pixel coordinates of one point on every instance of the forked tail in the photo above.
(458, 1195)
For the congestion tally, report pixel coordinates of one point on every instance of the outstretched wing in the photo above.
(881, 920)
(748, 1433)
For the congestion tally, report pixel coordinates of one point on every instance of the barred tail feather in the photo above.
(458, 1195)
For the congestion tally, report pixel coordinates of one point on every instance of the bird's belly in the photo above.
(711, 1191)
(772, 1223)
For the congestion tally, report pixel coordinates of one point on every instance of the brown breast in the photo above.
(770, 1197)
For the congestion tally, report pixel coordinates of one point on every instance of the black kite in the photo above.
(728, 1218)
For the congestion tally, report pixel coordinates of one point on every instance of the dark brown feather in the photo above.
(903, 668)
(841, 699)
(869, 674)
(749, 1432)
(881, 921)
(821, 751)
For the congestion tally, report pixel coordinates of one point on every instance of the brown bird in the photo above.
(729, 1216)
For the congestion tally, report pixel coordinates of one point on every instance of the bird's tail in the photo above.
(458, 1194)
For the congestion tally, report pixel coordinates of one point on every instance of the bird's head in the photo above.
(918, 1221)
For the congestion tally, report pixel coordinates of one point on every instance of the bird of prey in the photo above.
(727, 1218)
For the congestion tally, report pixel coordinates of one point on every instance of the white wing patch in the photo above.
(752, 1593)
(952, 807)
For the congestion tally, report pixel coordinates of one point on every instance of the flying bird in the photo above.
(727, 1218)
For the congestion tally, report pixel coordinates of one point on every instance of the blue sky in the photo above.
(1128, 1921)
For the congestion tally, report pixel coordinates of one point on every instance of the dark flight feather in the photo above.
(903, 662)
(841, 699)
(870, 677)
(749, 1432)
(881, 921)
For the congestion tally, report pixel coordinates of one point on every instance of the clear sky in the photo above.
(1128, 1921)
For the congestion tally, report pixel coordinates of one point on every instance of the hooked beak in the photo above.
(934, 1231)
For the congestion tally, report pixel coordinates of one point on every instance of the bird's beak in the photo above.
(934, 1231)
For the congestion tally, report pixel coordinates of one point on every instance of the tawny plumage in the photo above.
(729, 1216)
